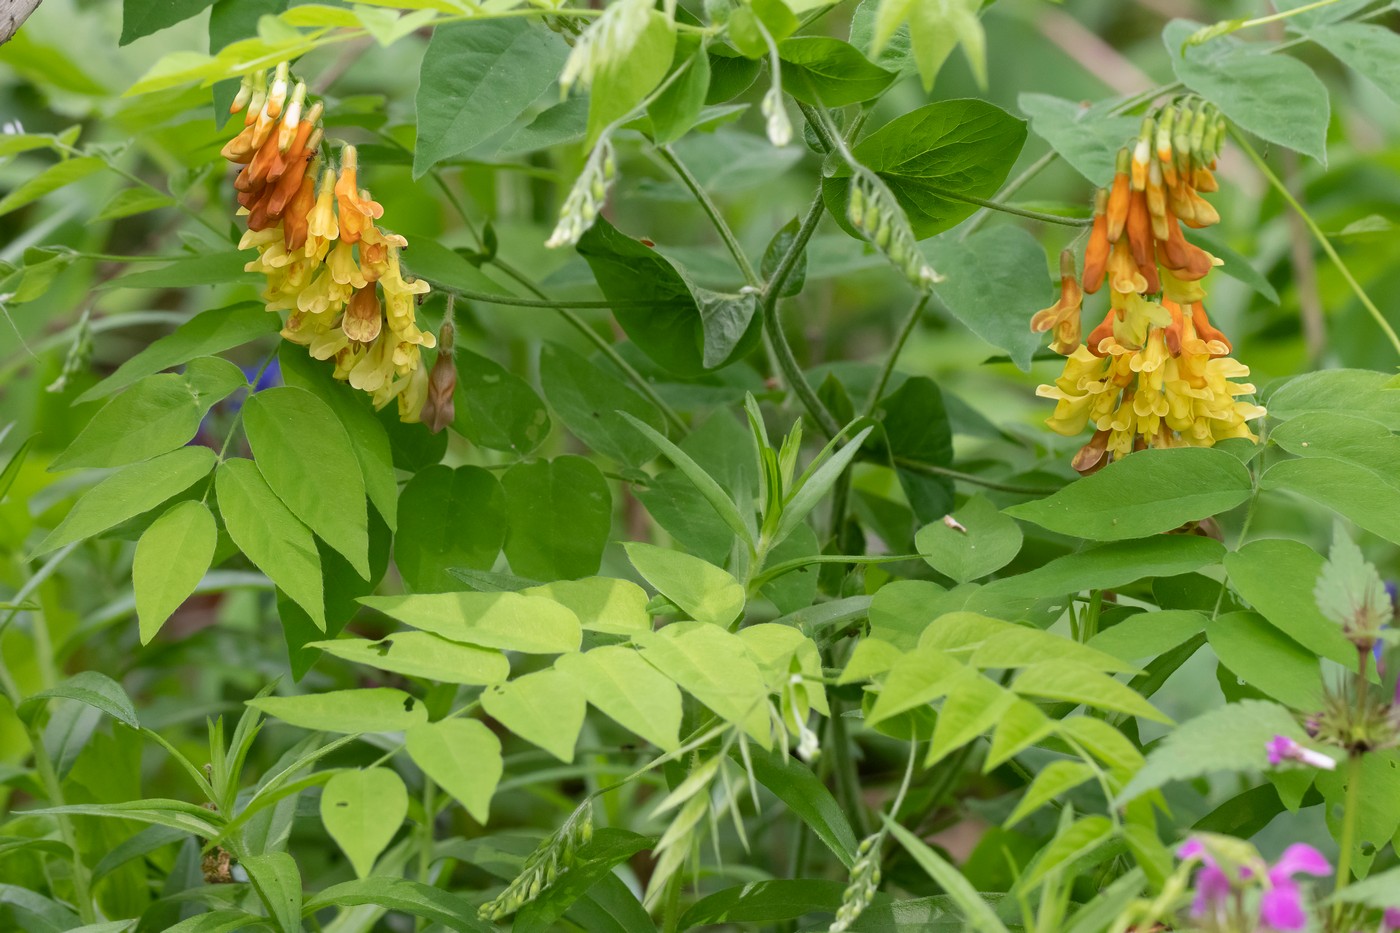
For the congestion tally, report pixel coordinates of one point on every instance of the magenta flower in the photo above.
(1282, 748)
(1392, 918)
(1281, 907)
(1212, 884)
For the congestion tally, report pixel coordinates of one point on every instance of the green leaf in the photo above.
(1022, 646)
(805, 795)
(728, 324)
(378, 709)
(205, 334)
(712, 491)
(627, 74)
(602, 604)
(1380, 891)
(272, 537)
(544, 708)
(299, 444)
(545, 496)
(590, 401)
(667, 327)
(155, 416)
(704, 591)
(1276, 97)
(988, 288)
(917, 430)
(143, 17)
(979, 914)
(368, 438)
(176, 814)
(926, 156)
(628, 690)
(773, 254)
(973, 706)
(1080, 839)
(131, 201)
(827, 72)
(275, 877)
(420, 654)
(1188, 483)
(1231, 738)
(92, 689)
(565, 122)
(1349, 591)
(1148, 634)
(815, 484)
(1372, 50)
(1111, 566)
(463, 757)
(1265, 658)
(985, 541)
(1052, 780)
(917, 677)
(49, 180)
(1088, 138)
(1377, 805)
(171, 558)
(362, 810)
(765, 902)
(411, 897)
(189, 272)
(675, 109)
(715, 667)
(1074, 682)
(496, 408)
(442, 266)
(129, 492)
(448, 518)
(1369, 498)
(593, 864)
(509, 621)
(1360, 393)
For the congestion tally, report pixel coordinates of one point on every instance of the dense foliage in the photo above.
(762, 464)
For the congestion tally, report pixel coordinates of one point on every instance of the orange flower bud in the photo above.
(438, 410)
(1096, 253)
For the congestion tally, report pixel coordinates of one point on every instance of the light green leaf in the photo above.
(1380, 891)
(362, 810)
(476, 79)
(870, 658)
(1148, 634)
(275, 877)
(1080, 839)
(131, 201)
(677, 107)
(305, 455)
(463, 757)
(448, 518)
(1022, 646)
(189, 272)
(155, 416)
(974, 706)
(1359, 393)
(1276, 97)
(985, 542)
(453, 911)
(129, 492)
(92, 689)
(602, 604)
(509, 621)
(1111, 566)
(205, 334)
(1087, 137)
(377, 709)
(702, 590)
(1188, 483)
(1052, 781)
(1077, 683)
(1277, 577)
(626, 75)
(918, 677)
(171, 558)
(712, 491)
(1264, 657)
(1022, 725)
(544, 496)
(1231, 738)
(545, 708)
(815, 483)
(628, 690)
(49, 180)
(1370, 499)
(716, 668)
(1349, 590)
(419, 654)
(272, 537)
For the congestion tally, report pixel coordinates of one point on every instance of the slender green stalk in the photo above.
(1350, 815)
(976, 221)
(1321, 238)
(905, 330)
(918, 466)
(731, 242)
(797, 563)
(554, 304)
(53, 790)
(847, 777)
(1005, 208)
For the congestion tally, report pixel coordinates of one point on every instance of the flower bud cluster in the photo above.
(873, 210)
(324, 259)
(865, 882)
(1155, 372)
(587, 197)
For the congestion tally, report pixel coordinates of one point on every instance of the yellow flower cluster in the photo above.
(324, 259)
(1155, 372)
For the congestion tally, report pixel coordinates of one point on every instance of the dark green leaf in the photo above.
(92, 689)
(765, 902)
(205, 269)
(143, 17)
(676, 109)
(1087, 137)
(448, 518)
(495, 407)
(1111, 566)
(827, 72)
(587, 399)
(796, 786)
(548, 495)
(777, 248)
(412, 897)
(917, 432)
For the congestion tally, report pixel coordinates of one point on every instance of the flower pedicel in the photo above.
(325, 260)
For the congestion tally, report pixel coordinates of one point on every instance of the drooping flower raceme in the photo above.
(1155, 372)
(325, 261)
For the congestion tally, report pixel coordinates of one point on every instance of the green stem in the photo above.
(554, 304)
(1349, 817)
(48, 778)
(905, 330)
(918, 466)
(975, 222)
(671, 913)
(787, 566)
(1008, 209)
(1321, 238)
(847, 777)
(731, 242)
(773, 326)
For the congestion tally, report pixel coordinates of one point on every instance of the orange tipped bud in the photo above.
(438, 410)
(1096, 253)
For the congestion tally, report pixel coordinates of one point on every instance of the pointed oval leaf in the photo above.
(376, 709)
(628, 690)
(545, 708)
(362, 810)
(171, 558)
(463, 757)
